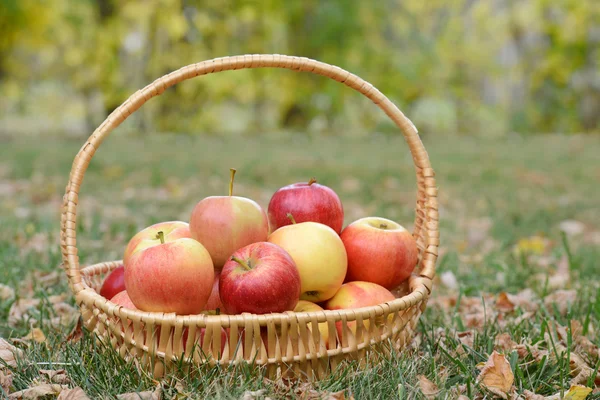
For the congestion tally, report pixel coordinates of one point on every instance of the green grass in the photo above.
(492, 195)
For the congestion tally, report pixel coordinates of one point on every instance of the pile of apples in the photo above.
(233, 257)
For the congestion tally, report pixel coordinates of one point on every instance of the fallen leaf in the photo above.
(562, 298)
(527, 395)
(76, 393)
(77, 333)
(36, 335)
(449, 280)
(155, 394)
(252, 395)
(428, 388)
(562, 276)
(572, 227)
(35, 392)
(6, 378)
(533, 245)
(505, 342)
(496, 375)
(55, 376)
(6, 292)
(8, 353)
(21, 310)
(578, 392)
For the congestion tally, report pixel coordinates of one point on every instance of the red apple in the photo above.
(379, 251)
(319, 255)
(172, 230)
(260, 278)
(122, 299)
(306, 201)
(224, 224)
(214, 301)
(357, 295)
(114, 283)
(174, 276)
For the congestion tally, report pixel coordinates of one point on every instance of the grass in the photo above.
(501, 205)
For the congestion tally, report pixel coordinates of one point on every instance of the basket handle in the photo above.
(426, 218)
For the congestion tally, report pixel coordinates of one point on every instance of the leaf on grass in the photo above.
(38, 391)
(252, 395)
(527, 395)
(449, 280)
(76, 393)
(562, 276)
(428, 388)
(21, 310)
(505, 342)
(155, 394)
(77, 333)
(8, 352)
(36, 335)
(562, 298)
(6, 378)
(578, 392)
(496, 375)
(6, 292)
(525, 300)
(55, 376)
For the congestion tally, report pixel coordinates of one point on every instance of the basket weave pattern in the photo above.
(288, 342)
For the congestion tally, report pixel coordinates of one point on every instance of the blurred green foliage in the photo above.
(453, 66)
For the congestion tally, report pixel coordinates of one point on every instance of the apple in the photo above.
(114, 283)
(379, 251)
(122, 299)
(224, 224)
(172, 230)
(307, 202)
(175, 276)
(307, 306)
(356, 295)
(319, 255)
(259, 278)
(214, 301)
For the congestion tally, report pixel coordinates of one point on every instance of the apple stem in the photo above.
(291, 218)
(160, 235)
(312, 180)
(383, 226)
(231, 181)
(241, 262)
(218, 311)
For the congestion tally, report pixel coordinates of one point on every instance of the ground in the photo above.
(517, 273)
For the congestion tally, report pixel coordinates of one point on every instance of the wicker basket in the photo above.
(292, 344)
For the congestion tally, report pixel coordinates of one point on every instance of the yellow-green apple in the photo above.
(172, 230)
(214, 301)
(175, 276)
(259, 278)
(379, 251)
(319, 255)
(224, 224)
(114, 283)
(122, 299)
(356, 295)
(308, 306)
(307, 202)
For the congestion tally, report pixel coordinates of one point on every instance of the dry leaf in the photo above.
(525, 300)
(578, 392)
(38, 391)
(77, 333)
(428, 388)
(449, 280)
(6, 292)
(562, 276)
(8, 352)
(36, 335)
(462, 397)
(55, 376)
(76, 393)
(572, 227)
(562, 299)
(505, 342)
(249, 395)
(496, 375)
(20, 310)
(155, 394)
(6, 378)
(527, 395)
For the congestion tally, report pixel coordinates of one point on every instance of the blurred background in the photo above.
(476, 67)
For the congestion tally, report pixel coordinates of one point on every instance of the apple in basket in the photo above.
(259, 278)
(114, 283)
(224, 224)
(307, 306)
(379, 251)
(319, 255)
(214, 302)
(357, 295)
(306, 201)
(172, 230)
(175, 276)
(122, 299)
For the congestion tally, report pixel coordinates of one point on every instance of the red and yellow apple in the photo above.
(319, 255)
(122, 299)
(379, 251)
(259, 278)
(308, 306)
(214, 301)
(172, 230)
(175, 276)
(114, 283)
(224, 224)
(357, 295)
(307, 202)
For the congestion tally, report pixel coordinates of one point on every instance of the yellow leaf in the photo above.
(578, 392)
(35, 334)
(497, 376)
